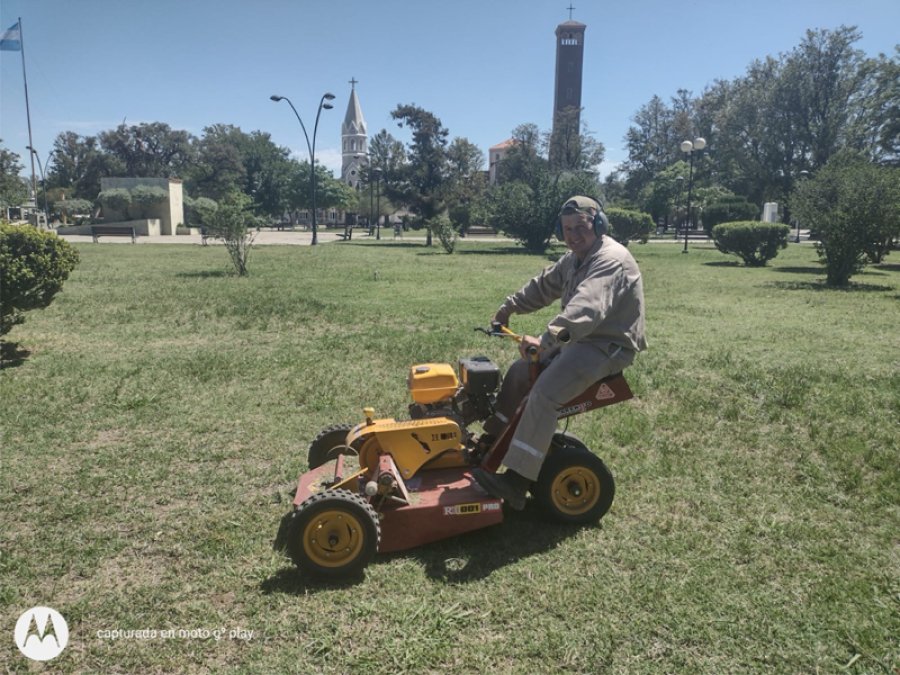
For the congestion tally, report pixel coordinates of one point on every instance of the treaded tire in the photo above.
(574, 485)
(333, 534)
(328, 444)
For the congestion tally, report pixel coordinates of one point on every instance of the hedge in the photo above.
(752, 241)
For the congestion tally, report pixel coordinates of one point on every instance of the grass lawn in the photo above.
(155, 419)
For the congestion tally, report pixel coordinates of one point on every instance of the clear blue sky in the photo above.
(482, 66)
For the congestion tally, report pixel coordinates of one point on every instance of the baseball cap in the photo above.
(581, 203)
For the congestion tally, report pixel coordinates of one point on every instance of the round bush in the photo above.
(33, 267)
(754, 242)
(626, 225)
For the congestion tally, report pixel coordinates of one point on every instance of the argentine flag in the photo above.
(11, 39)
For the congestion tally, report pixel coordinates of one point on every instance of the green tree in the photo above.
(523, 161)
(665, 193)
(67, 208)
(77, 163)
(33, 267)
(570, 144)
(854, 206)
(151, 149)
(466, 184)
(13, 190)
(219, 167)
(528, 212)
(420, 182)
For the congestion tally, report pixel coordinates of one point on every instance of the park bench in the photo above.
(481, 231)
(348, 234)
(98, 231)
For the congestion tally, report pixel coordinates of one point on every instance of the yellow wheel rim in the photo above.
(575, 490)
(333, 538)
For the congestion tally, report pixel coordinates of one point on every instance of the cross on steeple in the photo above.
(353, 82)
(570, 8)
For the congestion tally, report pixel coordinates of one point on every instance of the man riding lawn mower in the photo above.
(429, 478)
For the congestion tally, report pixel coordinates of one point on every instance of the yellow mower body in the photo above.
(436, 442)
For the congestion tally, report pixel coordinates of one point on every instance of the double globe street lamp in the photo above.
(323, 104)
(689, 148)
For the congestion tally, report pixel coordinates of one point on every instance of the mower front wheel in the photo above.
(333, 534)
(574, 485)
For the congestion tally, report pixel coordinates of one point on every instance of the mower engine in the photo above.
(436, 390)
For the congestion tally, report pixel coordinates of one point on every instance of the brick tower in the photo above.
(569, 66)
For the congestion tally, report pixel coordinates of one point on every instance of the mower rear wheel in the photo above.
(333, 534)
(574, 485)
(328, 444)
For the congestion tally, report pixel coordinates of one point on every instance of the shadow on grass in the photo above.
(801, 270)
(461, 559)
(888, 267)
(822, 286)
(291, 581)
(206, 274)
(11, 355)
(724, 263)
(382, 243)
(505, 250)
(477, 555)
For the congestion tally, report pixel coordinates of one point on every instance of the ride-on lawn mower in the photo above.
(387, 485)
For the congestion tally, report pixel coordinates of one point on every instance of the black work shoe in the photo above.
(509, 486)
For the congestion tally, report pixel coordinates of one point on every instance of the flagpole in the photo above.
(28, 116)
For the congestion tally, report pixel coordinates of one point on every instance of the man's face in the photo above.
(578, 232)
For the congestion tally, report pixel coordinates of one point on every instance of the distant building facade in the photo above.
(496, 155)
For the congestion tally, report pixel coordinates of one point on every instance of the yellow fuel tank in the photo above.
(432, 382)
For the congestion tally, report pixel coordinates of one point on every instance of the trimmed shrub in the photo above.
(754, 242)
(33, 266)
(628, 225)
(116, 203)
(445, 232)
(728, 210)
(231, 222)
(198, 211)
(144, 198)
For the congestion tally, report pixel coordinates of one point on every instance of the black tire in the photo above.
(333, 534)
(574, 485)
(562, 439)
(328, 444)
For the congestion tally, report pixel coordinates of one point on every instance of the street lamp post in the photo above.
(43, 184)
(803, 176)
(377, 174)
(689, 148)
(312, 149)
(680, 181)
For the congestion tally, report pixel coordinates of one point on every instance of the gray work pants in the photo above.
(568, 372)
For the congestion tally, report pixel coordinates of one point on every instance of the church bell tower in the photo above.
(354, 140)
(569, 65)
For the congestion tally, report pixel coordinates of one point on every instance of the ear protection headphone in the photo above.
(600, 222)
